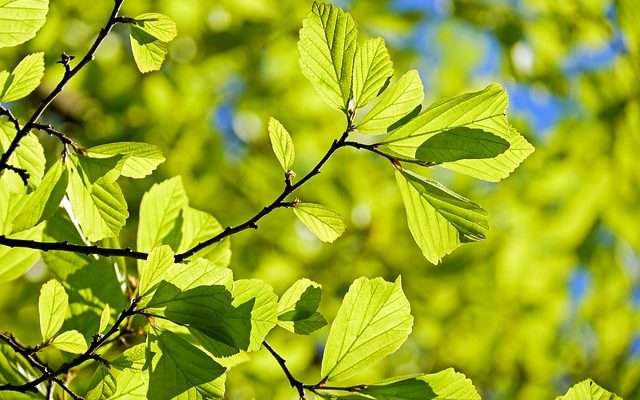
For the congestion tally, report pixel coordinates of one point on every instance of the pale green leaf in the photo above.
(180, 370)
(439, 219)
(282, 144)
(198, 226)
(20, 20)
(28, 156)
(200, 272)
(132, 359)
(298, 306)
(131, 385)
(103, 384)
(484, 110)
(16, 369)
(588, 390)
(461, 143)
(395, 103)
(264, 304)
(99, 207)
(70, 341)
(105, 318)
(45, 200)
(443, 385)
(16, 261)
(92, 168)
(159, 209)
(372, 322)
(371, 71)
(148, 52)
(327, 49)
(140, 159)
(13, 194)
(24, 78)
(154, 269)
(52, 308)
(325, 223)
(157, 25)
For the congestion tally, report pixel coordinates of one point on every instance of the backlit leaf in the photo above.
(264, 304)
(148, 52)
(20, 20)
(327, 49)
(588, 390)
(154, 269)
(140, 159)
(371, 70)
(52, 308)
(103, 384)
(105, 318)
(157, 25)
(325, 223)
(71, 342)
(372, 322)
(461, 143)
(439, 219)
(396, 102)
(28, 156)
(298, 307)
(24, 78)
(282, 144)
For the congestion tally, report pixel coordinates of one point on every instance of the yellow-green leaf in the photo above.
(20, 20)
(282, 144)
(70, 341)
(24, 78)
(371, 71)
(157, 25)
(325, 223)
(148, 52)
(52, 308)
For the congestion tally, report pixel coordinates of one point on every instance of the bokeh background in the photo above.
(550, 298)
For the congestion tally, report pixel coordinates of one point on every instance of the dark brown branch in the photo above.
(7, 113)
(299, 386)
(97, 342)
(22, 173)
(66, 140)
(68, 74)
(75, 248)
(395, 160)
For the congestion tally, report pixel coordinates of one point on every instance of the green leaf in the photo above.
(148, 52)
(131, 385)
(105, 318)
(157, 25)
(443, 385)
(200, 272)
(180, 370)
(99, 207)
(198, 226)
(24, 78)
(484, 110)
(70, 341)
(103, 384)
(439, 219)
(372, 322)
(264, 303)
(396, 102)
(154, 269)
(92, 168)
(588, 390)
(45, 200)
(12, 197)
(14, 369)
(16, 261)
(52, 308)
(28, 156)
(20, 20)
(461, 143)
(159, 210)
(132, 359)
(282, 144)
(298, 307)
(371, 71)
(327, 49)
(325, 223)
(140, 159)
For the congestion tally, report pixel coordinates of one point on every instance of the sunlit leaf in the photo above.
(588, 390)
(28, 156)
(298, 307)
(325, 223)
(154, 269)
(140, 159)
(24, 78)
(45, 200)
(439, 219)
(461, 144)
(16, 261)
(148, 52)
(20, 20)
(105, 318)
(282, 144)
(372, 322)
(71, 342)
(198, 226)
(103, 384)
(264, 304)
(327, 49)
(157, 25)
(484, 110)
(396, 102)
(371, 70)
(132, 359)
(52, 308)
(180, 370)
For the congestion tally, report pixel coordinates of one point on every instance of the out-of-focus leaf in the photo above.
(439, 219)
(52, 308)
(20, 20)
(371, 70)
(325, 223)
(327, 48)
(396, 102)
(24, 78)
(372, 322)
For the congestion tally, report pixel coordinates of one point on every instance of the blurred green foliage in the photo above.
(550, 298)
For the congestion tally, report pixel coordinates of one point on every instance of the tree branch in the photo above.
(75, 248)
(395, 160)
(68, 74)
(299, 386)
(98, 341)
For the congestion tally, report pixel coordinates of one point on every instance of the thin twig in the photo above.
(22, 173)
(68, 74)
(299, 386)
(75, 248)
(395, 160)
(7, 113)
(66, 140)
(89, 354)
